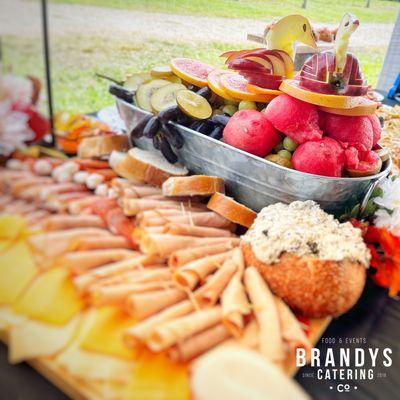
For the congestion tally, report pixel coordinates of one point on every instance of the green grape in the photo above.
(217, 111)
(278, 147)
(370, 208)
(289, 144)
(247, 105)
(285, 154)
(377, 192)
(231, 102)
(355, 211)
(230, 109)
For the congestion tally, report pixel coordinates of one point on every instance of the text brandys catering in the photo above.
(226, 232)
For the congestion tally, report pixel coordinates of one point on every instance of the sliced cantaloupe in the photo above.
(292, 88)
(17, 269)
(107, 331)
(156, 377)
(51, 298)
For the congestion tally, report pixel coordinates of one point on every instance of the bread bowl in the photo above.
(310, 260)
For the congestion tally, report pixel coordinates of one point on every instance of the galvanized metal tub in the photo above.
(252, 180)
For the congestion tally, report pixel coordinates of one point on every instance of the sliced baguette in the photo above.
(102, 145)
(123, 165)
(148, 167)
(196, 185)
(231, 210)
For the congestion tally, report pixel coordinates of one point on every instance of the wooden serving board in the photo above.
(78, 389)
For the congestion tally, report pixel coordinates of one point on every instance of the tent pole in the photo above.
(46, 44)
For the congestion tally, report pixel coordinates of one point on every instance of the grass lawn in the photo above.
(317, 10)
(76, 59)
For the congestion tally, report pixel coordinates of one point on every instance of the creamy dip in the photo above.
(304, 229)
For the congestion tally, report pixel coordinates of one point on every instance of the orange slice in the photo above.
(292, 88)
(214, 83)
(366, 107)
(192, 71)
(236, 86)
(259, 90)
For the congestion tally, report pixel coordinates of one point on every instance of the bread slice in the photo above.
(195, 185)
(102, 145)
(231, 210)
(146, 166)
(123, 165)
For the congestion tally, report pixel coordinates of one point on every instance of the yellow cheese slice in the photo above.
(156, 377)
(12, 226)
(9, 319)
(90, 365)
(107, 331)
(51, 298)
(32, 339)
(17, 269)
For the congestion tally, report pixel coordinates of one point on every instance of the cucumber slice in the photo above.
(165, 96)
(133, 81)
(145, 91)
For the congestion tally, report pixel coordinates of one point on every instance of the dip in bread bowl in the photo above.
(316, 264)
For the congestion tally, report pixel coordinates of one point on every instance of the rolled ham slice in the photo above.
(78, 206)
(117, 294)
(199, 231)
(139, 191)
(107, 242)
(182, 257)
(80, 261)
(164, 244)
(59, 188)
(209, 293)
(59, 203)
(20, 207)
(60, 222)
(265, 309)
(21, 185)
(198, 344)
(196, 271)
(140, 332)
(52, 244)
(130, 264)
(235, 305)
(150, 274)
(144, 305)
(36, 216)
(5, 200)
(179, 329)
(206, 219)
(292, 333)
(133, 207)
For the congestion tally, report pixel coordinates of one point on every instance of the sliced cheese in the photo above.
(9, 319)
(235, 373)
(106, 333)
(90, 365)
(156, 377)
(12, 227)
(32, 339)
(17, 269)
(51, 298)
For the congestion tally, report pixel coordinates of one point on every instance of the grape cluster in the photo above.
(166, 137)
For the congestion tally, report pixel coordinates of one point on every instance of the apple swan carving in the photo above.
(336, 72)
(268, 67)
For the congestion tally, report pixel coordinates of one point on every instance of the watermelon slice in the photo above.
(236, 86)
(192, 71)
